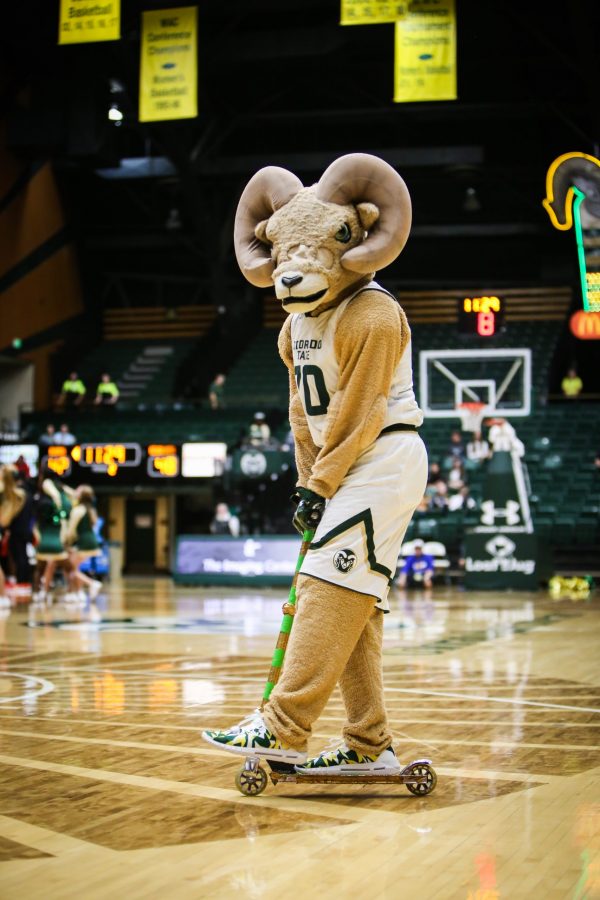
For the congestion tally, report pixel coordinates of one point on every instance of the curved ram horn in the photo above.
(561, 176)
(267, 191)
(360, 177)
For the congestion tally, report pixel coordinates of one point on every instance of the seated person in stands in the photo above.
(461, 500)
(456, 447)
(435, 473)
(571, 384)
(48, 437)
(477, 448)
(259, 433)
(456, 475)
(216, 391)
(65, 437)
(418, 568)
(423, 507)
(224, 522)
(438, 501)
(597, 461)
(288, 442)
(73, 391)
(107, 392)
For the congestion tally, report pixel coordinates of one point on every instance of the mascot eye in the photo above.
(343, 234)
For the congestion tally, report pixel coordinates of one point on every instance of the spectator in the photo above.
(571, 384)
(461, 500)
(65, 437)
(597, 461)
(423, 507)
(22, 468)
(439, 499)
(107, 392)
(419, 567)
(288, 442)
(224, 522)
(259, 432)
(477, 448)
(216, 392)
(456, 475)
(73, 391)
(457, 447)
(435, 473)
(503, 437)
(48, 437)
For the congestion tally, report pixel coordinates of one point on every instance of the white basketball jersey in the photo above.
(317, 370)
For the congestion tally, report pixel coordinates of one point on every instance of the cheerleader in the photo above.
(12, 501)
(81, 538)
(53, 510)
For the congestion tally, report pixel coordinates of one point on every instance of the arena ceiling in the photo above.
(283, 83)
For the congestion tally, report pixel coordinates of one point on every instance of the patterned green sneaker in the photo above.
(251, 737)
(343, 761)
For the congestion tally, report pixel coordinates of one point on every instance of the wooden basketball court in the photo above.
(108, 791)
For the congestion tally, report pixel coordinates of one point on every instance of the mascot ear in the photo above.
(268, 190)
(361, 178)
(261, 231)
(367, 214)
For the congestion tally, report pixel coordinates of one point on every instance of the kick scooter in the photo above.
(418, 776)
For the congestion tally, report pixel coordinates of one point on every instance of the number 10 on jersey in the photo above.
(311, 382)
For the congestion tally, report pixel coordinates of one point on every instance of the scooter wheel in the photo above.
(425, 787)
(251, 782)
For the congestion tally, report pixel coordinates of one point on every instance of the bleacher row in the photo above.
(560, 442)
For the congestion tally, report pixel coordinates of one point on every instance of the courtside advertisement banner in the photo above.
(86, 21)
(236, 561)
(169, 65)
(425, 57)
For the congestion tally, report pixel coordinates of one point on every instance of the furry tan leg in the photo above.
(361, 685)
(329, 621)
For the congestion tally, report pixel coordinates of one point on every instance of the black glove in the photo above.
(309, 510)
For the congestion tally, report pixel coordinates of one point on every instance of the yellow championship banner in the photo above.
(87, 21)
(425, 60)
(372, 12)
(169, 65)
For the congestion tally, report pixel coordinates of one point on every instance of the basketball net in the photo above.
(471, 415)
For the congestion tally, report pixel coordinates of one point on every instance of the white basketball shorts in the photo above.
(359, 538)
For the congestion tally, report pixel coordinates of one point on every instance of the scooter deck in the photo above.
(418, 776)
(286, 772)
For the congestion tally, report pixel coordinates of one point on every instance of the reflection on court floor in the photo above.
(106, 788)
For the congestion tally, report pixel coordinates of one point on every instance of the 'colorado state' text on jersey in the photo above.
(317, 371)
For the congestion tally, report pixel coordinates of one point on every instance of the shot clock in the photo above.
(480, 316)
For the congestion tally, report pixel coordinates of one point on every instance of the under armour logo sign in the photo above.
(510, 512)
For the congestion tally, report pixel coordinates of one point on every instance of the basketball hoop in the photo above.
(471, 415)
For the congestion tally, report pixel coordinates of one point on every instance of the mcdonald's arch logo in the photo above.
(585, 325)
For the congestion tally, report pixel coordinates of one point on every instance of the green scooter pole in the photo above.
(289, 609)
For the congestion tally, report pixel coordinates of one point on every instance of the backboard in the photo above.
(500, 379)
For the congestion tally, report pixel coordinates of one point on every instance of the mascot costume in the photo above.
(362, 467)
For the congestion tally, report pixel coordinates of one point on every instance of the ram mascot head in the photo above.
(317, 244)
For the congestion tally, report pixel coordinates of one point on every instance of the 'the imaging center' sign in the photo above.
(200, 559)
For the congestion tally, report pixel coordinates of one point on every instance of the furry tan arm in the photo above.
(371, 337)
(305, 449)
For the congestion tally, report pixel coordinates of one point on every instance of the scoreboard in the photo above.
(480, 316)
(133, 463)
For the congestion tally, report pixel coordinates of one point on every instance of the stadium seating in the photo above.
(560, 442)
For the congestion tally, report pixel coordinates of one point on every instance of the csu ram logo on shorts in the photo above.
(344, 560)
